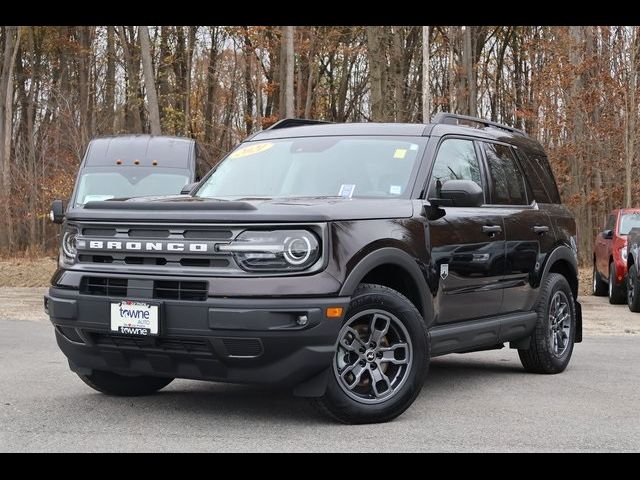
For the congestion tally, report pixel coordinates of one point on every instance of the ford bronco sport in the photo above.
(334, 259)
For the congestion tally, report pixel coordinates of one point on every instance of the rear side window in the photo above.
(540, 177)
(506, 179)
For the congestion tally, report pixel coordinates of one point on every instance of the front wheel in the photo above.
(552, 341)
(111, 383)
(381, 359)
(633, 289)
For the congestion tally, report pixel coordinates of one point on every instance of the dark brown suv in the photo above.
(335, 259)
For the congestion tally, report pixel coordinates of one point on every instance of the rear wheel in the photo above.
(111, 383)
(633, 289)
(551, 343)
(599, 285)
(616, 292)
(381, 359)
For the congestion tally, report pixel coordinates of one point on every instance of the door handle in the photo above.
(491, 229)
(540, 229)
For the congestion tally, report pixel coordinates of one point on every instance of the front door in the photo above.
(467, 245)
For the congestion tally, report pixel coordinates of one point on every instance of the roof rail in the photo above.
(453, 119)
(294, 122)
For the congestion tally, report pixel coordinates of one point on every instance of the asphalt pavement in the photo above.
(474, 402)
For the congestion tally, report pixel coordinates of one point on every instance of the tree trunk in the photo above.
(110, 81)
(289, 111)
(11, 45)
(630, 145)
(149, 82)
(467, 51)
(426, 80)
(377, 64)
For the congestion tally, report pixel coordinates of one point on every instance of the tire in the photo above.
(600, 287)
(404, 367)
(111, 383)
(617, 295)
(633, 289)
(542, 355)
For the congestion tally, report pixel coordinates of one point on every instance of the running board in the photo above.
(476, 334)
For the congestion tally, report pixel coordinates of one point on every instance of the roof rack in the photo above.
(453, 119)
(295, 122)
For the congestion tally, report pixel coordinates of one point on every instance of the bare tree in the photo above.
(289, 69)
(149, 82)
(11, 45)
(426, 92)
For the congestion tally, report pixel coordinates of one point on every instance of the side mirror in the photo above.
(56, 215)
(607, 234)
(459, 193)
(186, 190)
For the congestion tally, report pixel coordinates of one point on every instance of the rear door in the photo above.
(466, 244)
(528, 229)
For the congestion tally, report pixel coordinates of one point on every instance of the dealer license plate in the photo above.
(134, 318)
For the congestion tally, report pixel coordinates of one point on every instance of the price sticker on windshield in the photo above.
(251, 150)
(346, 190)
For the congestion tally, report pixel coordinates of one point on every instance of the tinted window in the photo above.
(508, 183)
(611, 223)
(456, 160)
(535, 174)
(627, 222)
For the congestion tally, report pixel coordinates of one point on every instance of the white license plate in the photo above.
(134, 318)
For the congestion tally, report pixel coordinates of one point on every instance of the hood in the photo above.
(183, 208)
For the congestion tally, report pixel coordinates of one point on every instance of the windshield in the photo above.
(128, 182)
(317, 167)
(627, 222)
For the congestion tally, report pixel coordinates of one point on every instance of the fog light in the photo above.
(302, 320)
(334, 312)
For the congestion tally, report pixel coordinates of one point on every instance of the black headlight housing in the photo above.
(68, 248)
(274, 250)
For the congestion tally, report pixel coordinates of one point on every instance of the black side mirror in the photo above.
(186, 190)
(459, 193)
(607, 234)
(56, 215)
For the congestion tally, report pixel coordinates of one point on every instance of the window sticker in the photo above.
(346, 190)
(251, 150)
(395, 189)
(400, 153)
(413, 147)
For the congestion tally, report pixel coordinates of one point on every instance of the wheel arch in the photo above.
(395, 269)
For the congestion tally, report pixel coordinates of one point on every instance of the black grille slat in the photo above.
(99, 232)
(179, 345)
(105, 286)
(243, 347)
(148, 233)
(180, 290)
(208, 234)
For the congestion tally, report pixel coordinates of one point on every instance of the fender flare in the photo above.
(397, 257)
(561, 252)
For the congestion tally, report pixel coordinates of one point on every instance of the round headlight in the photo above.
(297, 250)
(69, 243)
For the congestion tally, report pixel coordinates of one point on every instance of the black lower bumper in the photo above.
(221, 339)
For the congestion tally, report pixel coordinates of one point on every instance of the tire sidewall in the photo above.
(358, 412)
(559, 283)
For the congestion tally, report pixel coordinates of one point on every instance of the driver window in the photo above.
(456, 160)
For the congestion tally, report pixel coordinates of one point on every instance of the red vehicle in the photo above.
(610, 254)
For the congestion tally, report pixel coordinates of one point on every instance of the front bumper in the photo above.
(237, 340)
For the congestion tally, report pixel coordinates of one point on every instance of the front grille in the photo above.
(160, 258)
(110, 287)
(180, 290)
(243, 347)
(173, 345)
